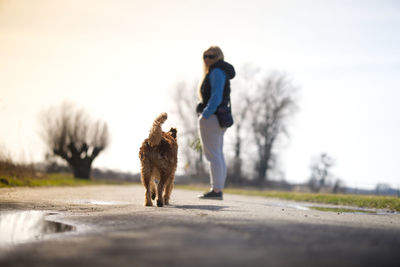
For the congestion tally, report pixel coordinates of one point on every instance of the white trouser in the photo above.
(212, 141)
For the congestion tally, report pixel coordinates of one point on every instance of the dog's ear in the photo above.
(173, 132)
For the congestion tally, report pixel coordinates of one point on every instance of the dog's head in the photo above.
(172, 132)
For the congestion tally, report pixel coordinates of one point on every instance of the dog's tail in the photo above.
(155, 131)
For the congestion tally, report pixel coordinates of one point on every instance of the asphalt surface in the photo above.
(113, 228)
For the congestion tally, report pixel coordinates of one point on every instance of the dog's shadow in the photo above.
(201, 207)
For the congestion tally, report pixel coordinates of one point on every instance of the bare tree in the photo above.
(236, 174)
(241, 103)
(70, 134)
(320, 172)
(338, 186)
(185, 99)
(272, 106)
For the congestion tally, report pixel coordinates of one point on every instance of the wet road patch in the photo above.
(25, 226)
(99, 202)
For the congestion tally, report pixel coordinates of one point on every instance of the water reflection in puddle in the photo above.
(24, 226)
(288, 205)
(99, 202)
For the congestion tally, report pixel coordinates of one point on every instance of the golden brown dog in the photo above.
(159, 157)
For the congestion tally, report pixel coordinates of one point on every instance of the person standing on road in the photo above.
(214, 92)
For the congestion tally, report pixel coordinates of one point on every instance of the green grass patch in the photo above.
(52, 180)
(365, 201)
(341, 210)
(362, 201)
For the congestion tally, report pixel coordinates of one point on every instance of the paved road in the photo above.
(113, 228)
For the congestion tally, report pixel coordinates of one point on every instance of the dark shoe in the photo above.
(212, 195)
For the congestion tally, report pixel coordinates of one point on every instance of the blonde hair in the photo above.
(216, 50)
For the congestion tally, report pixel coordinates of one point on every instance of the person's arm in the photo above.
(217, 80)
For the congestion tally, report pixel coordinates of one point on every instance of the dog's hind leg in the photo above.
(168, 189)
(160, 189)
(153, 189)
(146, 181)
(155, 176)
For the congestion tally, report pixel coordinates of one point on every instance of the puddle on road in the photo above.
(99, 202)
(287, 205)
(24, 226)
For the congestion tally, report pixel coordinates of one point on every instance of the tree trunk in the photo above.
(236, 177)
(199, 165)
(262, 172)
(82, 170)
(264, 165)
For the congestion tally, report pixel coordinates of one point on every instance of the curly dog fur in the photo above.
(159, 157)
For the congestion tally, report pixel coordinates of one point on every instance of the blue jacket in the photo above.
(215, 89)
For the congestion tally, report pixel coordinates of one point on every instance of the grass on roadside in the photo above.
(343, 210)
(364, 201)
(57, 179)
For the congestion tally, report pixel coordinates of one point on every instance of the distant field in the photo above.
(376, 202)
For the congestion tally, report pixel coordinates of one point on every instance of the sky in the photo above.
(121, 59)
